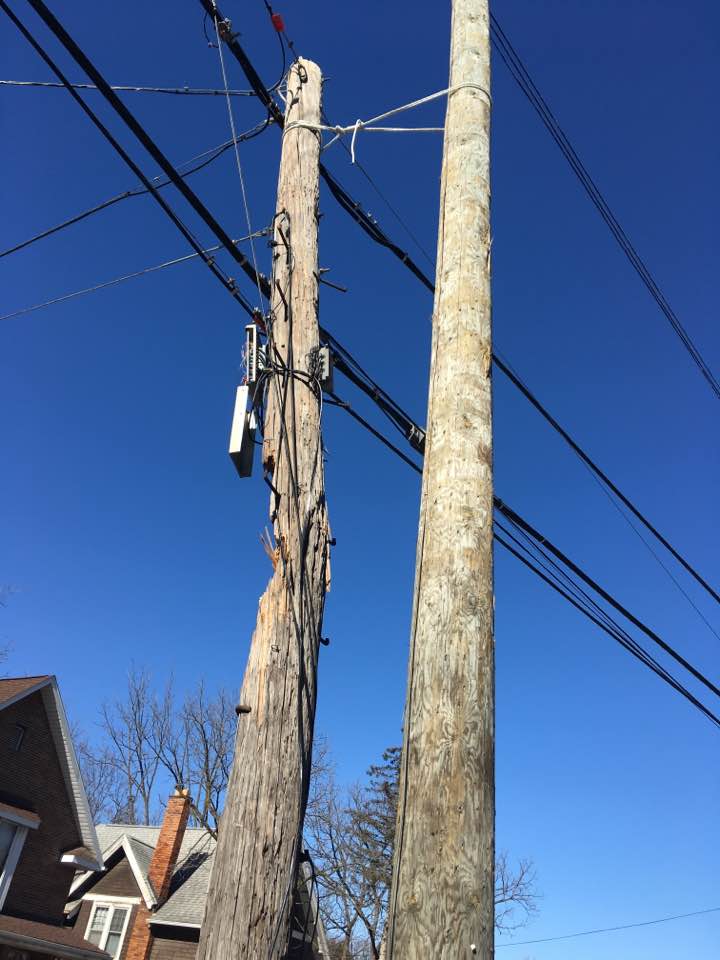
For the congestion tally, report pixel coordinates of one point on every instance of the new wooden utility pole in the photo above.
(255, 871)
(442, 899)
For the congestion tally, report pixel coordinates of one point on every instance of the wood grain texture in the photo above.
(252, 886)
(442, 899)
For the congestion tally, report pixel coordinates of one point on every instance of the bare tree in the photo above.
(194, 744)
(515, 894)
(106, 797)
(128, 728)
(146, 735)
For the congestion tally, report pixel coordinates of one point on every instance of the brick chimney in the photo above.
(160, 872)
(168, 844)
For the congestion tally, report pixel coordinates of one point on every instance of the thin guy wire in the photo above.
(179, 91)
(237, 157)
(75, 51)
(206, 158)
(624, 926)
(118, 280)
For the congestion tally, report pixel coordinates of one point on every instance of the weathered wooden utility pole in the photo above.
(442, 899)
(253, 880)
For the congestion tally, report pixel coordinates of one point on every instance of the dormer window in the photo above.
(107, 927)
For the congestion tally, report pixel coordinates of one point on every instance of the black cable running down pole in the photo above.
(148, 143)
(517, 382)
(209, 261)
(352, 207)
(516, 519)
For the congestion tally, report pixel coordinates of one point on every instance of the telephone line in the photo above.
(548, 545)
(122, 88)
(589, 462)
(414, 434)
(340, 194)
(227, 282)
(588, 607)
(522, 77)
(142, 136)
(208, 157)
(635, 649)
(624, 926)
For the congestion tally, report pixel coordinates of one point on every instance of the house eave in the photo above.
(48, 946)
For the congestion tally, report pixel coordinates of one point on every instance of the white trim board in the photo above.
(13, 855)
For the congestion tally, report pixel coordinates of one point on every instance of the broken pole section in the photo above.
(442, 898)
(252, 888)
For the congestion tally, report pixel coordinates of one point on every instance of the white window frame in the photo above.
(112, 904)
(13, 855)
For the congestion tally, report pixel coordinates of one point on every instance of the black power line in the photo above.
(574, 593)
(374, 231)
(547, 545)
(617, 634)
(140, 133)
(340, 194)
(172, 173)
(520, 74)
(204, 160)
(227, 282)
(126, 88)
(624, 926)
(587, 460)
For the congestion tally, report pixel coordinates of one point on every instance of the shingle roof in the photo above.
(189, 885)
(66, 941)
(11, 687)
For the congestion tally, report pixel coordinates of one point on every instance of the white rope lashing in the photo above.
(369, 125)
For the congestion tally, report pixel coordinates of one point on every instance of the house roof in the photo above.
(12, 690)
(185, 904)
(47, 938)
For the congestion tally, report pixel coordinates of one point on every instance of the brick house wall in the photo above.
(32, 778)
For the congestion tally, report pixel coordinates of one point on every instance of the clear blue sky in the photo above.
(129, 538)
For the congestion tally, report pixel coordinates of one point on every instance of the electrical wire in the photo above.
(577, 596)
(624, 926)
(520, 74)
(144, 139)
(337, 402)
(118, 280)
(206, 158)
(354, 209)
(373, 230)
(548, 545)
(234, 137)
(227, 282)
(177, 91)
(611, 629)
(506, 370)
